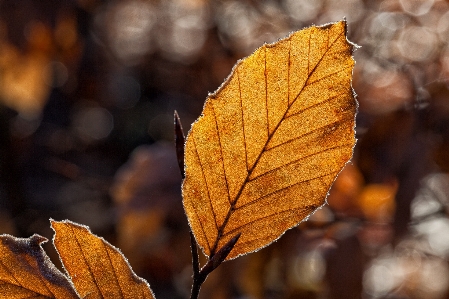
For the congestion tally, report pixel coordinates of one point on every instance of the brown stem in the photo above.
(195, 260)
(199, 276)
(213, 262)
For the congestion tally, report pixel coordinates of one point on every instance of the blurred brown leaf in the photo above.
(377, 201)
(97, 269)
(27, 272)
(271, 140)
(25, 77)
(343, 198)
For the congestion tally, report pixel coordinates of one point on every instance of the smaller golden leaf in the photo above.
(97, 269)
(27, 272)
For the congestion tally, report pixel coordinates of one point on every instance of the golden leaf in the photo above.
(97, 269)
(27, 272)
(271, 140)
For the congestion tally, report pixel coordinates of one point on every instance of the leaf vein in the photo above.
(34, 296)
(113, 269)
(308, 133)
(299, 159)
(249, 171)
(201, 224)
(316, 66)
(221, 153)
(283, 188)
(329, 75)
(308, 54)
(243, 119)
(288, 72)
(85, 259)
(205, 181)
(18, 282)
(11, 273)
(315, 105)
(233, 231)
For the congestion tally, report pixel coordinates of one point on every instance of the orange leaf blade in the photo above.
(271, 140)
(97, 269)
(27, 272)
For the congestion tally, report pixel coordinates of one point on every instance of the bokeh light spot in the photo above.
(93, 123)
(417, 43)
(416, 7)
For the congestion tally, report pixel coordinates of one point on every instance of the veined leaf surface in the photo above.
(27, 272)
(271, 140)
(97, 269)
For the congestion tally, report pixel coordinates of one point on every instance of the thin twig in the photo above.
(199, 276)
(195, 259)
(179, 143)
(211, 265)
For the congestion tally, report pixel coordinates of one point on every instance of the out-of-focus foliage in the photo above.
(83, 83)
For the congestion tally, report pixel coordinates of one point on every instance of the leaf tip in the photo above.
(179, 143)
(55, 223)
(38, 239)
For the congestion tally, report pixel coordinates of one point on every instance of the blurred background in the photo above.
(87, 94)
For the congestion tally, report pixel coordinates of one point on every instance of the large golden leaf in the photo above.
(271, 140)
(97, 269)
(26, 271)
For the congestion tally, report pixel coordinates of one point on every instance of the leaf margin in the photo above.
(134, 276)
(212, 96)
(33, 246)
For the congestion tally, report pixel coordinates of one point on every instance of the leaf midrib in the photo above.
(289, 105)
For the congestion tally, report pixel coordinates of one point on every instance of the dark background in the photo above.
(87, 94)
